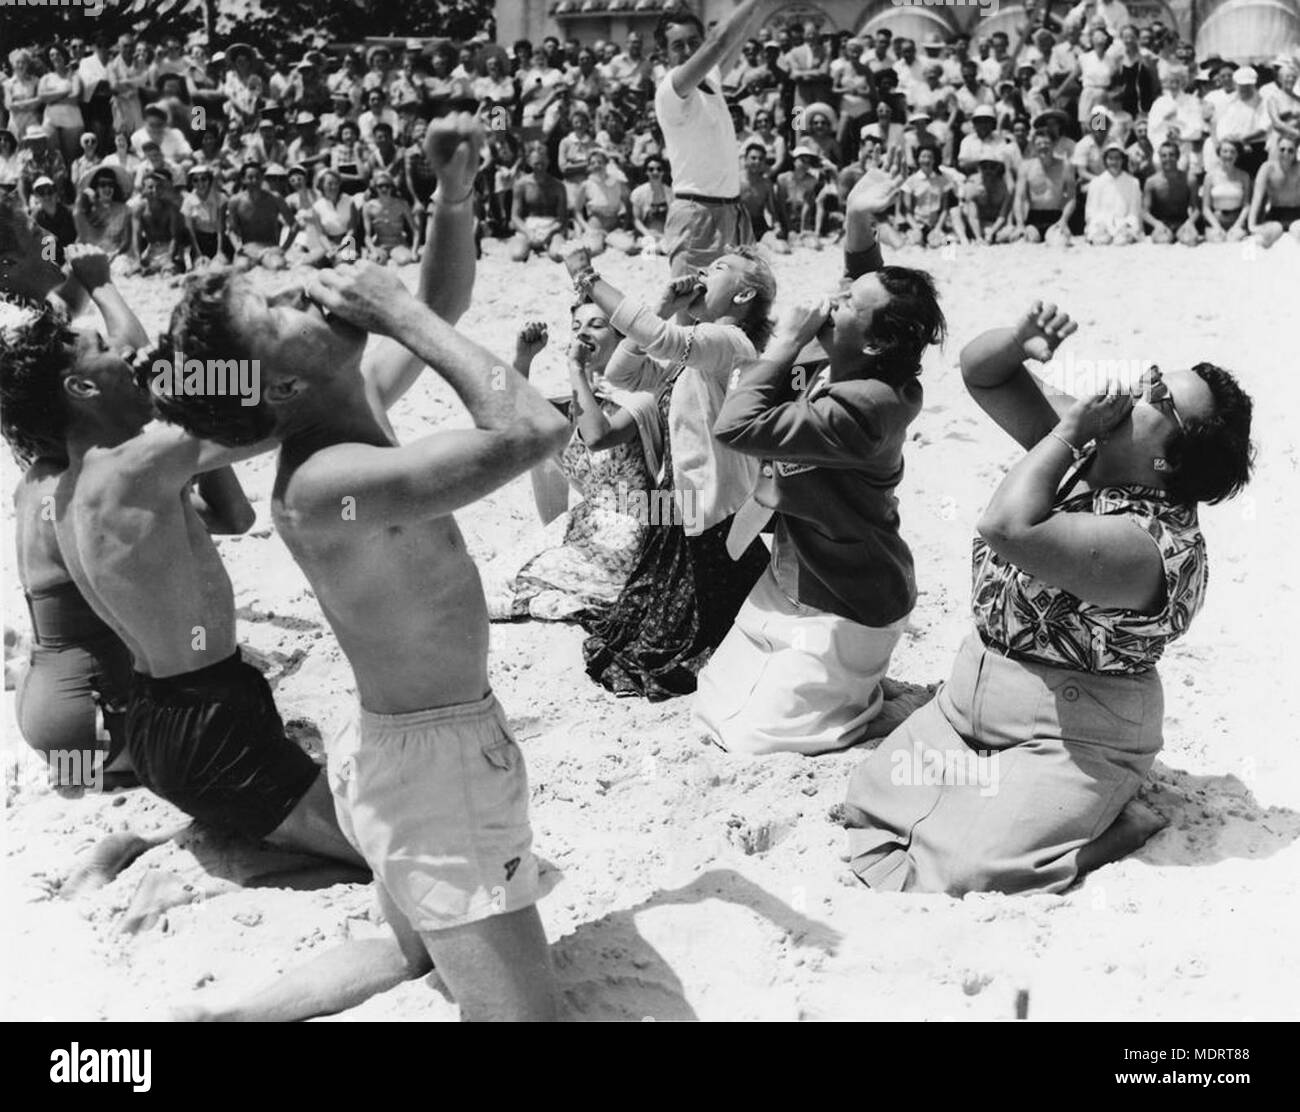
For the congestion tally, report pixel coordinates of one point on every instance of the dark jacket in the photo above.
(832, 458)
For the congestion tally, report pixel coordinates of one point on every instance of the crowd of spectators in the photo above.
(168, 157)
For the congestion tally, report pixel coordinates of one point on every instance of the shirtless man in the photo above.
(796, 192)
(430, 786)
(201, 727)
(156, 238)
(1275, 207)
(1045, 194)
(1170, 203)
(987, 201)
(258, 222)
(541, 208)
(759, 196)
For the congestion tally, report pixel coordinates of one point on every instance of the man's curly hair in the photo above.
(202, 327)
(35, 351)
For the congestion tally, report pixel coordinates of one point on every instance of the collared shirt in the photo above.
(699, 137)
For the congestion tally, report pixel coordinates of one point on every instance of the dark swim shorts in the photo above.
(211, 742)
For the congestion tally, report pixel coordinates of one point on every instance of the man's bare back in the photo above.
(138, 550)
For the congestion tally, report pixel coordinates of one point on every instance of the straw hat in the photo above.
(821, 109)
(124, 182)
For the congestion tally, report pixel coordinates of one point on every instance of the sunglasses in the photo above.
(1155, 392)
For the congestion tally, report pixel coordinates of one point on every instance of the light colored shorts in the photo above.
(790, 678)
(436, 801)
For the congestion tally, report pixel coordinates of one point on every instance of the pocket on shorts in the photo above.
(499, 787)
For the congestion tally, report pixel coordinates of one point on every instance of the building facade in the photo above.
(1245, 29)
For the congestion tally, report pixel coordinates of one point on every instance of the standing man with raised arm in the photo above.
(706, 218)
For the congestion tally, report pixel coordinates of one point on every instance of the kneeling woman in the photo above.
(1021, 774)
(611, 461)
(684, 593)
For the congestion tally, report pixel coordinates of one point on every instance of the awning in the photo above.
(1248, 30)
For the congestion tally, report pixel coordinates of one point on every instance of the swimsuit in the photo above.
(211, 742)
(1286, 215)
(436, 801)
(78, 664)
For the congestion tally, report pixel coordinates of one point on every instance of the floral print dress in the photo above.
(591, 549)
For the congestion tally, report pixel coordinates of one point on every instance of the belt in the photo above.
(700, 198)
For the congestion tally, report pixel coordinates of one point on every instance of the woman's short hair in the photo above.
(35, 351)
(1211, 458)
(757, 324)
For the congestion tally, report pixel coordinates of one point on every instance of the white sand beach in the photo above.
(702, 886)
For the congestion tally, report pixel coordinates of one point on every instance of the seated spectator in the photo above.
(390, 233)
(926, 198)
(1045, 195)
(601, 212)
(1113, 206)
(385, 156)
(258, 222)
(797, 191)
(153, 162)
(173, 144)
(89, 158)
(377, 112)
(987, 201)
(309, 149)
(1275, 204)
(348, 158)
(157, 236)
(203, 212)
(53, 216)
(650, 201)
(1170, 200)
(573, 152)
(38, 158)
(102, 217)
(1225, 196)
(265, 145)
(540, 209)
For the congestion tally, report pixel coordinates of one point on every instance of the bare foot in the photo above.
(106, 858)
(901, 700)
(160, 891)
(1128, 833)
(848, 816)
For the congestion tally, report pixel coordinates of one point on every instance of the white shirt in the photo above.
(1183, 111)
(699, 138)
(91, 71)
